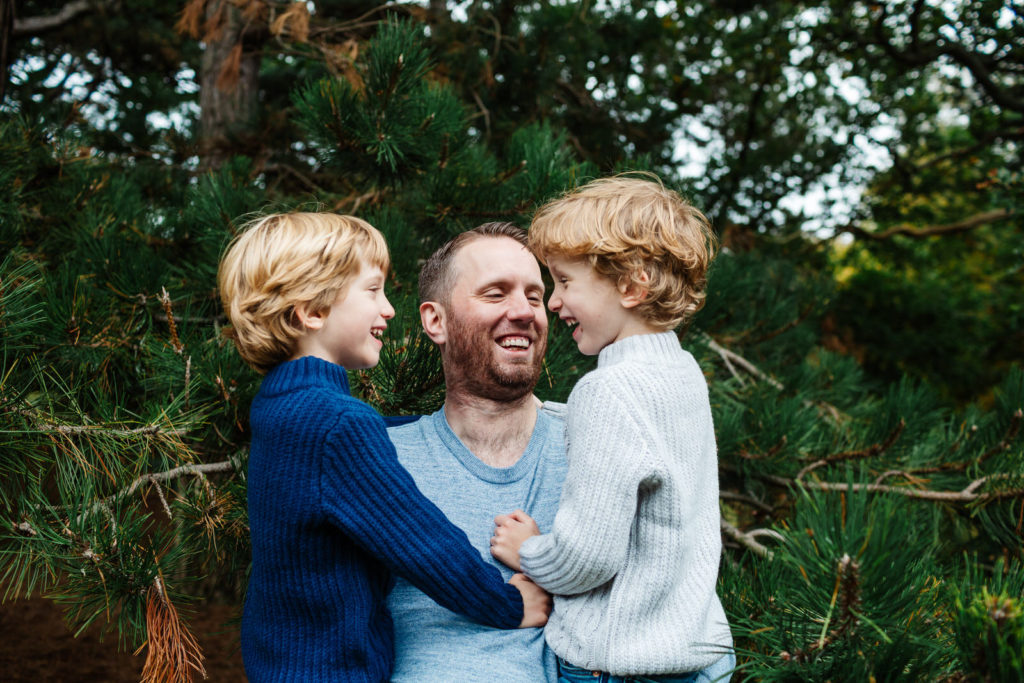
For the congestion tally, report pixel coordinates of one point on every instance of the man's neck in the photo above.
(496, 432)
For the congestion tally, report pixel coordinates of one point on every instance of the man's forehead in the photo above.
(495, 258)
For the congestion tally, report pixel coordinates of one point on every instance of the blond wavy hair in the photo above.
(636, 232)
(280, 261)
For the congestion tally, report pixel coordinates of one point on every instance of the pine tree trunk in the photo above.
(229, 89)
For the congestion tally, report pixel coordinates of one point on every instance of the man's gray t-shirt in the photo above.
(433, 644)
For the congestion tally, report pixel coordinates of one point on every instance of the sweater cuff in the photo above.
(538, 558)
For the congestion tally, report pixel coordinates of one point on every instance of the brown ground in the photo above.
(37, 646)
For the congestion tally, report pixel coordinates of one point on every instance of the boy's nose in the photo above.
(554, 304)
(388, 311)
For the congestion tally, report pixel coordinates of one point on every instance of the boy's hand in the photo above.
(509, 533)
(536, 602)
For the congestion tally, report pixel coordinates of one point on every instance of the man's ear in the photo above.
(309, 319)
(432, 315)
(633, 293)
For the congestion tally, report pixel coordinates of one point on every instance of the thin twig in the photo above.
(160, 493)
(200, 470)
(774, 450)
(45, 425)
(746, 540)
(165, 301)
(966, 495)
(740, 498)
(728, 355)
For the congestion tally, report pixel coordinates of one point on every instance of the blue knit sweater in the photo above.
(332, 517)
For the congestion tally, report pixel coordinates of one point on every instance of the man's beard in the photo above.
(470, 365)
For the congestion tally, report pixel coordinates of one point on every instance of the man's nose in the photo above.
(519, 307)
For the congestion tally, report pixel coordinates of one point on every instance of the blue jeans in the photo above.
(719, 672)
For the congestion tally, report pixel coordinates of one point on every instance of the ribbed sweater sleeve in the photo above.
(589, 540)
(375, 502)
(632, 554)
(332, 518)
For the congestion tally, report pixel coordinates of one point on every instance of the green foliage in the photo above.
(396, 122)
(988, 620)
(839, 603)
(867, 397)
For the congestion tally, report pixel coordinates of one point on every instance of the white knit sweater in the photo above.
(632, 557)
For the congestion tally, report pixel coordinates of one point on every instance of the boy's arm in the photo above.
(589, 538)
(374, 500)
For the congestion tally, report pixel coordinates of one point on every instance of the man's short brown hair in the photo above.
(437, 277)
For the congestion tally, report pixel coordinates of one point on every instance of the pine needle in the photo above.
(294, 21)
(173, 653)
(228, 78)
(191, 15)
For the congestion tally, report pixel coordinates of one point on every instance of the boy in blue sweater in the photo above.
(332, 515)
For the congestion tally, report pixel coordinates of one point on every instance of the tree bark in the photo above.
(229, 89)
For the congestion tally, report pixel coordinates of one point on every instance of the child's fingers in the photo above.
(521, 516)
(502, 520)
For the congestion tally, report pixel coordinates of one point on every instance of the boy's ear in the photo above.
(433, 318)
(309, 319)
(632, 293)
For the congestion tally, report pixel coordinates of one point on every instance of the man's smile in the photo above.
(514, 342)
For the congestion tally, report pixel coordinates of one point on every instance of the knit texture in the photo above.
(433, 645)
(633, 555)
(332, 517)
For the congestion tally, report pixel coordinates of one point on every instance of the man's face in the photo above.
(496, 327)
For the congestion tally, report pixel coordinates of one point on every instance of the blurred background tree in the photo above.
(862, 338)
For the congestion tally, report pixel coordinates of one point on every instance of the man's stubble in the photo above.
(470, 364)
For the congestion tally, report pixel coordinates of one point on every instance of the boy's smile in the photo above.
(349, 332)
(592, 305)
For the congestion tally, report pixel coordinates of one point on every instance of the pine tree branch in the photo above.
(868, 452)
(1012, 430)
(46, 425)
(747, 500)
(747, 540)
(746, 455)
(909, 230)
(200, 470)
(31, 26)
(730, 357)
(845, 600)
(967, 495)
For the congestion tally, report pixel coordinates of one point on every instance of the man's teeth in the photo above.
(515, 342)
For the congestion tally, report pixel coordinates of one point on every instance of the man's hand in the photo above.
(509, 533)
(536, 602)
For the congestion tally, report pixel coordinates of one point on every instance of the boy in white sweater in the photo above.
(632, 557)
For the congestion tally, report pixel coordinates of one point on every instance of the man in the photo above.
(488, 451)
